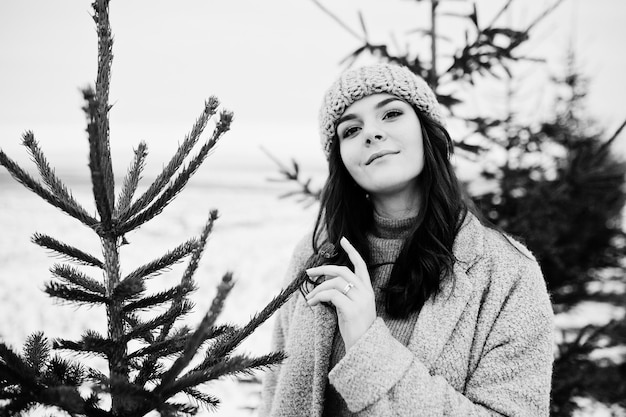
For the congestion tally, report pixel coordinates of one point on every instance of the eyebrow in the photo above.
(380, 104)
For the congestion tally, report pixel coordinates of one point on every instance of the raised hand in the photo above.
(350, 292)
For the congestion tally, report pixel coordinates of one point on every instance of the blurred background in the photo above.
(552, 84)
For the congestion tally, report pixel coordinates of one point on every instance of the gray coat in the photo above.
(482, 347)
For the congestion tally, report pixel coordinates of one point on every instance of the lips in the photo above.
(379, 154)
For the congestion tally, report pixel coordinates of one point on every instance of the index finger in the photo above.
(360, 267)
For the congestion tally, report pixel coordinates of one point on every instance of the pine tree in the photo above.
(154, 362)
(566, 205)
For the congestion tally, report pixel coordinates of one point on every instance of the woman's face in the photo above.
(381, 144)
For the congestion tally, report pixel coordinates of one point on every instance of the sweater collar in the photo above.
(387, 228)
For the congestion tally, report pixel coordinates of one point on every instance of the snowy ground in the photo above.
(253, 238)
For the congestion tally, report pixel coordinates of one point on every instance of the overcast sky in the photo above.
(268, 61)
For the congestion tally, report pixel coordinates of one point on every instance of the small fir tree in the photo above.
(149, 355)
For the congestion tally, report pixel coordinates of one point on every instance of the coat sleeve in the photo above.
(280, 331)
(379, 376)
(270, 378)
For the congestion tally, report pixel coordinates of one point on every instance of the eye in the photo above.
(392, 114)
(349, 132)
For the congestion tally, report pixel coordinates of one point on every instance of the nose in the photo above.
(374, 136)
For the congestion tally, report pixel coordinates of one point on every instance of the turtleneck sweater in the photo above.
(385, 243)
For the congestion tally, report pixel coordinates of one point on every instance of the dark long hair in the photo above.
(426, 256)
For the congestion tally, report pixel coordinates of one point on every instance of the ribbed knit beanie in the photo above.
(356, 83)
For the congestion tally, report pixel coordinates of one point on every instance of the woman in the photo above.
(421, 310)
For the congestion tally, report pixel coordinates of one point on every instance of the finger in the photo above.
(360, 267)
(338, 284)
(332, 270)
(332, 296)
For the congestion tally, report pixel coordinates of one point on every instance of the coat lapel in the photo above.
(440, 314)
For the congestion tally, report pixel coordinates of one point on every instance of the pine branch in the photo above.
(181, 180)
(199, 336)
(55, 185)
(500, 12)
(209, 402)
(150, 364)
(91, 342)
(293, 174)
(97, 161)
(133, 399)
(64, 372)
(236, 365)
(187, 278)
(161, 349)
(66, 398)
(228, 343)
(71, 253)
(166, 409)
(29, 182)
(165, 261)
(18, 405)
(143, 327)
(55, 387)
(133, 321)
(131, 181)
(543, 15)
(14, 366)
(73, 294)
(74, 276)
(36, 352)
(339, 21)
(155, 299)
(210, 107)
(128, 289)
(614, 136)
(223, 289)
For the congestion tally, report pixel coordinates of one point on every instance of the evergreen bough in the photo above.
(153, 362)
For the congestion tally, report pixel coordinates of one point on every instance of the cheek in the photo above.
(349, 156)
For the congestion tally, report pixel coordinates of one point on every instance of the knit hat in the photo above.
(354, 84)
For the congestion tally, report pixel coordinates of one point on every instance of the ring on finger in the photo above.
(347, 288)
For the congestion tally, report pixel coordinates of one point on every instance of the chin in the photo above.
(391, 184)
